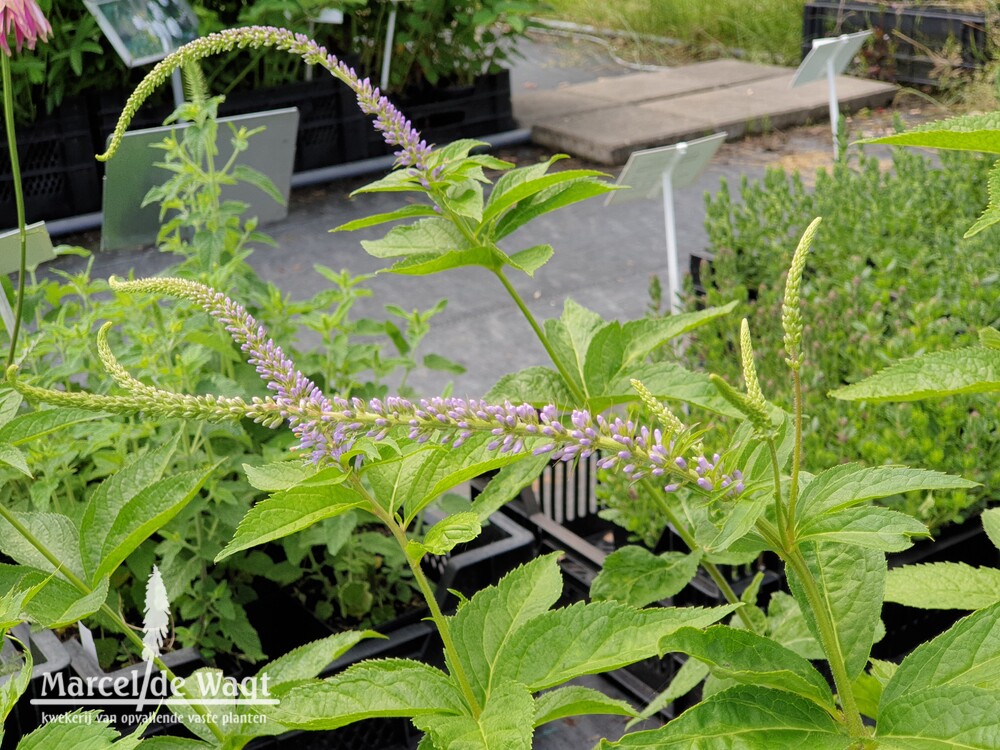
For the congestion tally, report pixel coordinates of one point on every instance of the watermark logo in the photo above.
(145, 688)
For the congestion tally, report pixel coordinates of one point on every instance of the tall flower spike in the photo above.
(754, 393)
(791, 312)
(395, 129)
(26, 20)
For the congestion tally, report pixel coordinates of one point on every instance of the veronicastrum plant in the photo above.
(391, 457)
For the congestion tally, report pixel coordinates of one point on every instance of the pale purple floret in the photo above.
(328, 428)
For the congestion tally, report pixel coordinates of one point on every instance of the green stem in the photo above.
(440, 621)
(15, 171)
(692, 544)
(793, 490)
(829, 641)
(116, 618)
(779, 509)
(578, 395)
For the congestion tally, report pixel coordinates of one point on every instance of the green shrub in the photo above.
(887, 279)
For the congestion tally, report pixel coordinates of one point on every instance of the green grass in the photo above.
(766, 30)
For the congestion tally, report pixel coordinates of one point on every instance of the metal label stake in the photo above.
(657, 171)
(828, 58)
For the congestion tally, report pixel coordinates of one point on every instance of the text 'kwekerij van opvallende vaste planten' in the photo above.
(508, 650)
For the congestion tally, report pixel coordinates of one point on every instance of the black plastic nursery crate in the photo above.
(332, 130)
(59, 174)
(49, 656)
(126, 718)
(469, 567)
(914, 37)
(447, 113)
(908, 627)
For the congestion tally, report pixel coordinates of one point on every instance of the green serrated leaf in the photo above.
(948, 717)
(607, 636)
(112, 495)
(747, 718)
(502, 199)
(979, 132)
(752, 659)
(989, 337)
(146, 512)
(77, 607)
(550, 200)
(991, 524)
(37, 424)
(967, 654)
(537, 386)
(57, 533)
(81, 730)
(14, 686)
(482, 628)
(877, 528)
(434, 236)
(425, 264)
(456, 529)
(368, 690)
(787, 626)
(851, 582)
(575, 700)
(506, 723)
(635, 576)
(406, 212)
(11, 456)
(531, 259)
(643, 336)
(506, 484)
(847, 485)
(279, 475)
(667, 381)
(251, 176)
(308, 661)
(969, 370)
(944, 585)
(322, 496)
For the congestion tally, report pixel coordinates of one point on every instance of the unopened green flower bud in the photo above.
(791, 313)
(756, 413)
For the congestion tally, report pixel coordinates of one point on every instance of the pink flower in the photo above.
(26, 20)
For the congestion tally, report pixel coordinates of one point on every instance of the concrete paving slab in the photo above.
(664, 107)
(644, 87)
(531, 107)
(772, 104)
(609, 135)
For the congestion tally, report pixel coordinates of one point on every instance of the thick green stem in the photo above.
(692, 544)
(440, 621)
(15, 171)
(779, 508)
(829, 641)
(115, 617)
(578, 395)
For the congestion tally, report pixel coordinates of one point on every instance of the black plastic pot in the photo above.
(49, 657)
(911, 36)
